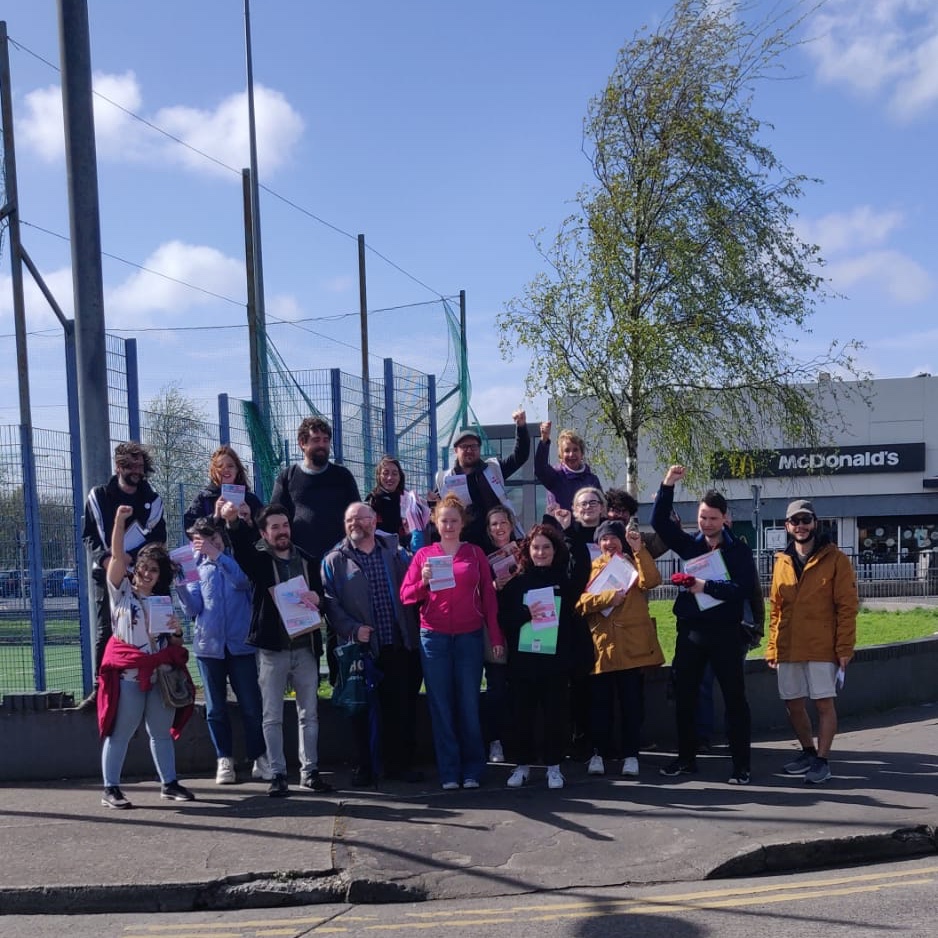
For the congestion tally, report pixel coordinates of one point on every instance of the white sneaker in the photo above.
(261, 769)
(225, 775)
(519, 777)
(596, 766)
(630, 766)
(496, 753)
(554, 777)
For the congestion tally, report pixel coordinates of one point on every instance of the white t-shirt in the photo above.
(129, 621)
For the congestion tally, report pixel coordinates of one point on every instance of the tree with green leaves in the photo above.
(176, 430)
(675, 294)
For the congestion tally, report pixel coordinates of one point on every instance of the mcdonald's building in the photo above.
(874, 485)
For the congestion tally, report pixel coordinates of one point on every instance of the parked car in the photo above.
(53, 582)
(70, 583)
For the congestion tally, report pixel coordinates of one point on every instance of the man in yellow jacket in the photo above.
(812, 632)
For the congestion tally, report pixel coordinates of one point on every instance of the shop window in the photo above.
(896, 540)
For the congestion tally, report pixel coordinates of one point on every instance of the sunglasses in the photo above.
(801, 519)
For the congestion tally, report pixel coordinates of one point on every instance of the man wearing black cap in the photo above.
(812, 632)
(484, 478)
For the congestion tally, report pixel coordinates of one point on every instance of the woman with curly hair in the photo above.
(128, 689)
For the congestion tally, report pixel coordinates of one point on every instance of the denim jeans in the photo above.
(452, 674)
(241, 671)
(134, 705)
(300, 666)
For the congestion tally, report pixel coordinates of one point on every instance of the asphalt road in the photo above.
(897, 899)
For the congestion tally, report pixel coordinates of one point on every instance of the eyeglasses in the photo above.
(592, 503)
(467, 446)
(801, 519)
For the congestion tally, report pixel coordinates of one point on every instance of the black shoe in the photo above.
(89, 703)
(740, 777)
(361, 778)
(278, 787)
(173, 791)
(678, 767)
(313, 782)
(113, 797)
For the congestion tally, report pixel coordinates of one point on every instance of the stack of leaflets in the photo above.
(618, 574)
(184, 557)
(539, 636)
(459, 486)
(709, 566)
(504, 561)
(159, 610)
(441, 573)
(233, 494)
(298, 619)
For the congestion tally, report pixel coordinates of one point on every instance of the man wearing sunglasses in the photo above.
(812, 632)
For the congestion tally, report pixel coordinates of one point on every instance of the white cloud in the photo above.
(887, 47)
(901, 278)
(222, 132)
(136, 301)
(39, 314)
(861, 227)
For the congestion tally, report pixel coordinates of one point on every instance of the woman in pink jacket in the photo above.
(452, 584)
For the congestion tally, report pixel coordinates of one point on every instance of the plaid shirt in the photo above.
(382, 604)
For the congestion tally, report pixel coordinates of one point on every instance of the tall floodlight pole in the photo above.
(366, 371)
(10, 210)
(260, 393)
(85, 228)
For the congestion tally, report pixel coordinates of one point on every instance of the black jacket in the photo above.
(742, 584)
(258, 563)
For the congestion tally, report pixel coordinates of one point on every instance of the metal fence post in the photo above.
(390, 420)
(335, 382)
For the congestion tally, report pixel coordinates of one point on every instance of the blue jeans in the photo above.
(134, 705)
(241, 671)
(301, 666)
(452, 674)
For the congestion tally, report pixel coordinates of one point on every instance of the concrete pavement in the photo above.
(234, 847)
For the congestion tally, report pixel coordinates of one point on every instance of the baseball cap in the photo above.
(467, 435)
(799, 506)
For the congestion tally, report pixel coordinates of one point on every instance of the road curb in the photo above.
(903, 843)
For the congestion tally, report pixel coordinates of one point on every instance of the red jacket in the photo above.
(118, 657)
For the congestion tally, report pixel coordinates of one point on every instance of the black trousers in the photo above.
(722, 649)
(629, 686)
(102, 622)
(546, 696)
(397, 705)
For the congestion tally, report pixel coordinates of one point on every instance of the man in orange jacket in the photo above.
(812, 632)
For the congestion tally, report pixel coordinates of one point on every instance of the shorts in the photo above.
(814, 679)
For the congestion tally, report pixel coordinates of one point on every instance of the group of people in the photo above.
(443, 592)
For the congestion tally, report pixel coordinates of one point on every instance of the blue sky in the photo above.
(448, 137)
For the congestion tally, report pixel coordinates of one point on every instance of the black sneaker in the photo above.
(278, 787)
(113, 797)
(678, 767)
(739, 777)
(314, 782)
(173, 791)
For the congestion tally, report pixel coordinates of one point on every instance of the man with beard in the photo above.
(271, 560)
(362, 579)
(315, 493)
(484, 478)
(812, 631)
(128, 486)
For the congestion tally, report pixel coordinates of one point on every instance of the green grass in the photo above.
(63, 661)
(874, 627)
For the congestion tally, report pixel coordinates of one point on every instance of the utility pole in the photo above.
(366, 372)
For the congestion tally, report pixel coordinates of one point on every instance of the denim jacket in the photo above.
(220, 603)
